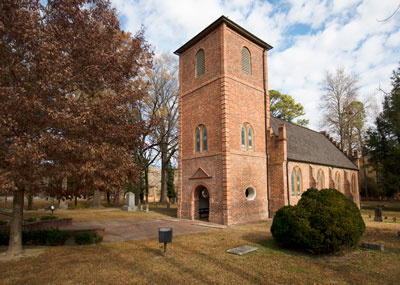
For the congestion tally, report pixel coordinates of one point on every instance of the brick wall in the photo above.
(223, 99)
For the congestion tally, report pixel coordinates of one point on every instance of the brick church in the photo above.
(236, 163)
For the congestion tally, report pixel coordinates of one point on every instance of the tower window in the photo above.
(250, 138)
(201, 139)
(243, 137)
(246, 61)
(247, 137)
(200, 66)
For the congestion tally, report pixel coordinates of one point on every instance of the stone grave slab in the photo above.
(373, 246)
(241, 250)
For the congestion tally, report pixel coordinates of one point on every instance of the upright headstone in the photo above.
(394, 220)
(378, 214)
(147, 207)
(129, 202)
(96, 199)
(63, 205)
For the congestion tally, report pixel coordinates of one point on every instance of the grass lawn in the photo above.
(201, 258)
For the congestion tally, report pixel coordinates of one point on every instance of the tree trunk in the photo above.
(116, 197)
(146, 182)
(15, 243)
(108, 198)
(76, 200)
(96, 199)
(164, 162)
(30, 202)
(138, 189)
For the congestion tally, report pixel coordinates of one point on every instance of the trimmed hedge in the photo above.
(87, 238)
(45, 218)
(322, 222)
(38, 237)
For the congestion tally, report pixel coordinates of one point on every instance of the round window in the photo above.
(204, 193)
(250, 193)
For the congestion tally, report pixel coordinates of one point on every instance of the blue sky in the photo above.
(309, 38)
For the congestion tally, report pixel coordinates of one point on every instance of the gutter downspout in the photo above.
(266, 137)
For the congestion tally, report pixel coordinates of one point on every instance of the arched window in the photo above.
(197, 139)
(320, 179)
(293, 183)
(250, 138)
(297, 182)
(200, 66)
(247, 137)
(246, 61)
(201, 139)
(243, 137)
(205, 146)
(337, 181)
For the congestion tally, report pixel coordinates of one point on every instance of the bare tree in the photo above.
(164, 93)
(337, 104)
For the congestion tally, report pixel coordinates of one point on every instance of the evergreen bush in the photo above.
(38, 237)
(87, 238)
(322, 222)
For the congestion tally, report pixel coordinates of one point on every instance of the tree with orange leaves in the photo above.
(69, 81)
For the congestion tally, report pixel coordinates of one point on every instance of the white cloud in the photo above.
(341, 33)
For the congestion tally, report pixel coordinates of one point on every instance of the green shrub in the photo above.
(2, 222)
(87, 238)
(322, 222)
(4, 237)
(31, 220)
(44, 237)
(38, 237)
(45, 218)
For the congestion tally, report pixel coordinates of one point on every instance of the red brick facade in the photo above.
(224, 99)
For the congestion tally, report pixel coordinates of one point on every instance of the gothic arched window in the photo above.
(243, 137)
(205, 145)
(201, 139)
(200, 65)
(250, 132)
(246, 61)
(297, 182)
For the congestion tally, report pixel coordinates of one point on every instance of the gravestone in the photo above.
(394, 220)
(147, 207)
(63, 205)
(241, 250)
(129, 202)
(378, 214)
(168, 205)
(96, 199)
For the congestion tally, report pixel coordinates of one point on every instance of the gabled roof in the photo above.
(306, 145)
(214, 25)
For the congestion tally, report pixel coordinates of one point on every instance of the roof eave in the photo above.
(214, 25)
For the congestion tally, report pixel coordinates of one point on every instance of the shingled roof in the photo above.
(306, 145)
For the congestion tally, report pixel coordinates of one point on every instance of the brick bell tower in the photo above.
(223, 118)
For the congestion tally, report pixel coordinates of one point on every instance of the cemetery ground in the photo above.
(202, 258)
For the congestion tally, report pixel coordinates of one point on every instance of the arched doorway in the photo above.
(201, 203)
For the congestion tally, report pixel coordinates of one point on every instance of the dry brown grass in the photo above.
(201, 258)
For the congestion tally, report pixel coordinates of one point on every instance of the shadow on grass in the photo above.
(160, 209)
